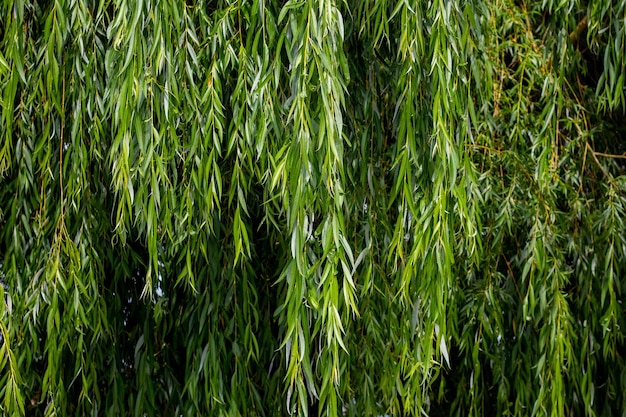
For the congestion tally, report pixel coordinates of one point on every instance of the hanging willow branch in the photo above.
(312, 208)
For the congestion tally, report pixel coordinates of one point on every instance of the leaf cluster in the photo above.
(263, 208)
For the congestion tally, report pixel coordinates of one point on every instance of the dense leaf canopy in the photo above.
(258, 207)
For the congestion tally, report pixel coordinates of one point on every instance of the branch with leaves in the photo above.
(262, 208)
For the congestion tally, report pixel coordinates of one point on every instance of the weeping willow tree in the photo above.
(337, 208)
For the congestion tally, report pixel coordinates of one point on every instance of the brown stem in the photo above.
(582, 25)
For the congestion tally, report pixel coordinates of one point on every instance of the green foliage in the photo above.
(257, 208)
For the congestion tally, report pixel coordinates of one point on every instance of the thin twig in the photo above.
(582, 170)
(609, 155)
(471, 145)
(595, 157)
